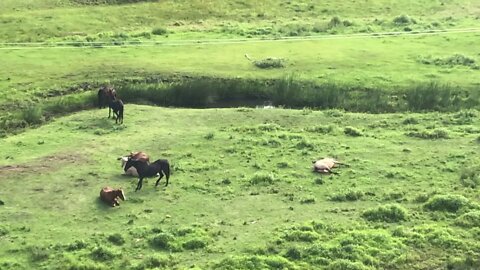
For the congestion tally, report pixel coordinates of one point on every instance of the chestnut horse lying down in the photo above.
(110, 196)
(141, 156)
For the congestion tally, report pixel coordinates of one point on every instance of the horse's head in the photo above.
(121, 194)
(128, 163)
(124, 160)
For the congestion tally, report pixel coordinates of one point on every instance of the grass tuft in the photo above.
(388, 213)
(447, 203)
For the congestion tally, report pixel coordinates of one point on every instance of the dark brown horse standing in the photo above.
(110, 195)
(106, 94)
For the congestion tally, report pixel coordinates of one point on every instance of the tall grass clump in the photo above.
(351, 131)
(38, 254)
(447, 203)
(403, 20)
(350, 195)
(469, 220)
(270, 62)
(156, 262)
(101, 253)
(262, 179)
(470, 177)
(388, 213)
(165, 241)
(159, 31)
(33, 114)
(430, 135)
(433, 97)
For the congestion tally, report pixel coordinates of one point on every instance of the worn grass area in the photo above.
(242, 193)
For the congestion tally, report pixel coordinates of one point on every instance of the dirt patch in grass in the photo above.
(51, 162)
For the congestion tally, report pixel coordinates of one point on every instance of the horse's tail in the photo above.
(100, 98)
(166, 170)
(120, 110)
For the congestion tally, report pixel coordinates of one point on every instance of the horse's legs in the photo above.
(161, 175)
(139, 185)
(109, 110)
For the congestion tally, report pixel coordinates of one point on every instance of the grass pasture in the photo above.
(242, 193)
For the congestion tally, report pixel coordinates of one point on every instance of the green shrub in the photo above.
(77, 245)
(38, 254)
(410, 121)
(388, 213)
(343, 264)
(321, 129)
(308, 200)
(403, 19)
(155, 262)
(159, 31)
(254, 262)
(447, 203)
(334, 22)
(270, 62)
(33, 114)
(116, 239)
(262, 179)
(300, 236)
(350, 195)
(194, 244)
(470, 177)
(3, 231)
(209, 136)
(100, 253)
(469, 220)
(430, 135)
(351, 131)
(163, 241)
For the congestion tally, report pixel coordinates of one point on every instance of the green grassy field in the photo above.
(242, 192)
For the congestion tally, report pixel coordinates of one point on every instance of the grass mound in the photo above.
(447, 203)
(469, 220)
(388, 213)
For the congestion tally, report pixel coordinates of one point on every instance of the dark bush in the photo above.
(470, 177)
(194, 244)
(351, 131)
(388, 213)
(163, 241)
(32, 114)
(262, 179)
(430, 135)
(159, 31)
(77, 245)
(100, 253)
(270, 63)
(469, 220)
(350, 195)
(38, 254)
(448, 203)
(403, 19)
(116, 239)
(343, 264)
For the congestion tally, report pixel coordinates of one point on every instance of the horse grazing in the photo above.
(141, 156)
(110, 196)
(105, 95)
(116, 106)
(161, 167)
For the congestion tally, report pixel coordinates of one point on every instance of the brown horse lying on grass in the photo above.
(110, 196)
